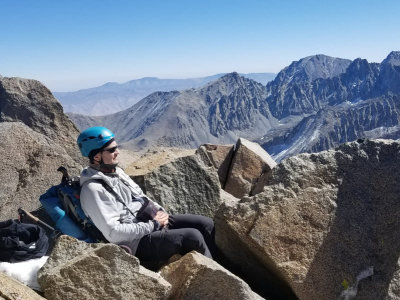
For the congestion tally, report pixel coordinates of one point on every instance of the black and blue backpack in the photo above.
(62, 203)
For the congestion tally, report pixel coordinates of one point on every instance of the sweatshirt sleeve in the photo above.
(106, 213)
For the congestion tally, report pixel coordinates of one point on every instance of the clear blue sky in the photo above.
(72, 44)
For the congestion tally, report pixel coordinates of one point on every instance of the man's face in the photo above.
(110, 154)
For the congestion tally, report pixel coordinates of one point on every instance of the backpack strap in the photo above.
(142, 211)
(111, 191)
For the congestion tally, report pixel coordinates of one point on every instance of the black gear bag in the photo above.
(20, 241)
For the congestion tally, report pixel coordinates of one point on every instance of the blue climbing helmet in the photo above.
(93, 138)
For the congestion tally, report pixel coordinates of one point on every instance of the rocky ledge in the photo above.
(316, 226)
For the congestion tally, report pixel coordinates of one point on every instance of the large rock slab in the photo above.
(183, 185)
(218, 156)
(36, 138)
(324, 223)
(249, 163)
(11, 289)
(77, 270)
(195, 276)
(28, 167)
(30, 102)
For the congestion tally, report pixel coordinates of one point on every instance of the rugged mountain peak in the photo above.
(360, 69)
(313, 67)
(220, 111)
(227, 84)
(393, 58)
(231, 78)
(290, 93)
(30, 102)
(358, 64)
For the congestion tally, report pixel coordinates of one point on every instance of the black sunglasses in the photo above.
(111, 150)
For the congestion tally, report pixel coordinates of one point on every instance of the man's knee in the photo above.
(207, 223)
(193, 240)
(193, 234)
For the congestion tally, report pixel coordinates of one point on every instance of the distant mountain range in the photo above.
(363, 101)
(96, 101)
(313, 104)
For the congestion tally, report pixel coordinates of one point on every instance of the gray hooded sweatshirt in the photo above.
(111, 217)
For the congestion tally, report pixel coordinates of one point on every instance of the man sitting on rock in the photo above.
(125, 215)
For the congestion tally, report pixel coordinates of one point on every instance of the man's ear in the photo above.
(97, 158)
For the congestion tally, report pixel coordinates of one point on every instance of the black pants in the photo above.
(184, 233)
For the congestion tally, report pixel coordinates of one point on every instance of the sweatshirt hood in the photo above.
(90, 173)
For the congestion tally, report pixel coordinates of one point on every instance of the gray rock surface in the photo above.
(28, 167)
(183, 185)
(30, 102)
(250, 163)
(321, 221)
(36, 139)
(393, 292)
(218, 156)
(11, 289)
(188, 183)
(77, 270)
(195, 276)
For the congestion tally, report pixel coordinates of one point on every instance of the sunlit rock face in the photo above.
(36, 138)
(78, 270)
(321, 220)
